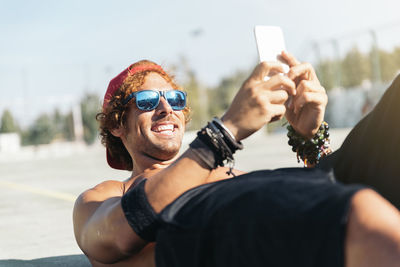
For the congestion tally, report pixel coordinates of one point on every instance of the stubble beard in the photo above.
(162, 149)
(165, 152)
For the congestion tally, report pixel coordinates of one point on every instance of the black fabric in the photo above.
(371, 152)
(286, 217)
(139, 213)
(203, 151)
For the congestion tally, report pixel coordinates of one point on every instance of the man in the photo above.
(143, 121)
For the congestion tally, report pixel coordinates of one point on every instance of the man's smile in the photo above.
(164, 128)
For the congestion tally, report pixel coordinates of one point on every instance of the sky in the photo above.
(53, 52)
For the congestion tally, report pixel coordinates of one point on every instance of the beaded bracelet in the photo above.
(312, 150)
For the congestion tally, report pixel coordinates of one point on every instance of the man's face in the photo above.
(157, 133)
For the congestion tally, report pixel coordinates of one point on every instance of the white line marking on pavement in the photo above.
(39, 191)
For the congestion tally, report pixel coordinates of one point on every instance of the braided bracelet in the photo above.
(215, 145)
(312, 150)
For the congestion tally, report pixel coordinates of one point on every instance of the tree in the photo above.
(197, 94)
(388, 65)
(58, 121)
(355, 68)
(63, 126)
(326, 73)
(221, 96)
(41, 132)
(396, 58)
(199, 113)
(90, 106)
(7, 123)
(68, 127)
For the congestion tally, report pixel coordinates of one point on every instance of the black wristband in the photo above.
(203, 151)
(139, 213)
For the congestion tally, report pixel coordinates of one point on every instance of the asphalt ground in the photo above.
(37, 196)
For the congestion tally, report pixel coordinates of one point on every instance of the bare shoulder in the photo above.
(107, 189)
(90, 200)
(372, 215)
(370, 209)
(102, 191)
(372, 235)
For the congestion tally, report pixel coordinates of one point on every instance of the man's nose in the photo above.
(164, 107)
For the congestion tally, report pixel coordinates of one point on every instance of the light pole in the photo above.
(338, 72)
(375, 60)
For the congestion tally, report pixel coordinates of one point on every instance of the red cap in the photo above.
(113, 87)
(116, 83)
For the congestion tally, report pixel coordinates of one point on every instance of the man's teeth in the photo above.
(161, 128)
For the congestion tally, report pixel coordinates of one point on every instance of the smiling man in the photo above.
(140, 136)
(142, 126)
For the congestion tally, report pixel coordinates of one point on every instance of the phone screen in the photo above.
(270, 44)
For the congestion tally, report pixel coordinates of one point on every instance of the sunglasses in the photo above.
(149, 99)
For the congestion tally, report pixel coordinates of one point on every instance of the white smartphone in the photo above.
(270, 44)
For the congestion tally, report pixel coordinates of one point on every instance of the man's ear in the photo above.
(118, 132)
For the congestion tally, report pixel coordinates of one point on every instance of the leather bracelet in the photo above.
(222, 126)
(215, 145)
(229, 137)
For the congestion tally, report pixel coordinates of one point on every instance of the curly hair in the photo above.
(114, 115)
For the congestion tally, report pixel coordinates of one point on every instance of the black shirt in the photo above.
(286, 217)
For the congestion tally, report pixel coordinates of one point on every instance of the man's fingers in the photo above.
(277, 112)
(309, 86)
(278, 96)
(266, 68)
(289, 59)
(303, 71)
(308, 92)
(281, 82)
(308, 98)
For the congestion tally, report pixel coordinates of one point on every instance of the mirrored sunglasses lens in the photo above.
(147, 100)
(176, 99)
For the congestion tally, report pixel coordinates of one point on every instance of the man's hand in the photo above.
(305, 111)
(258, 101)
